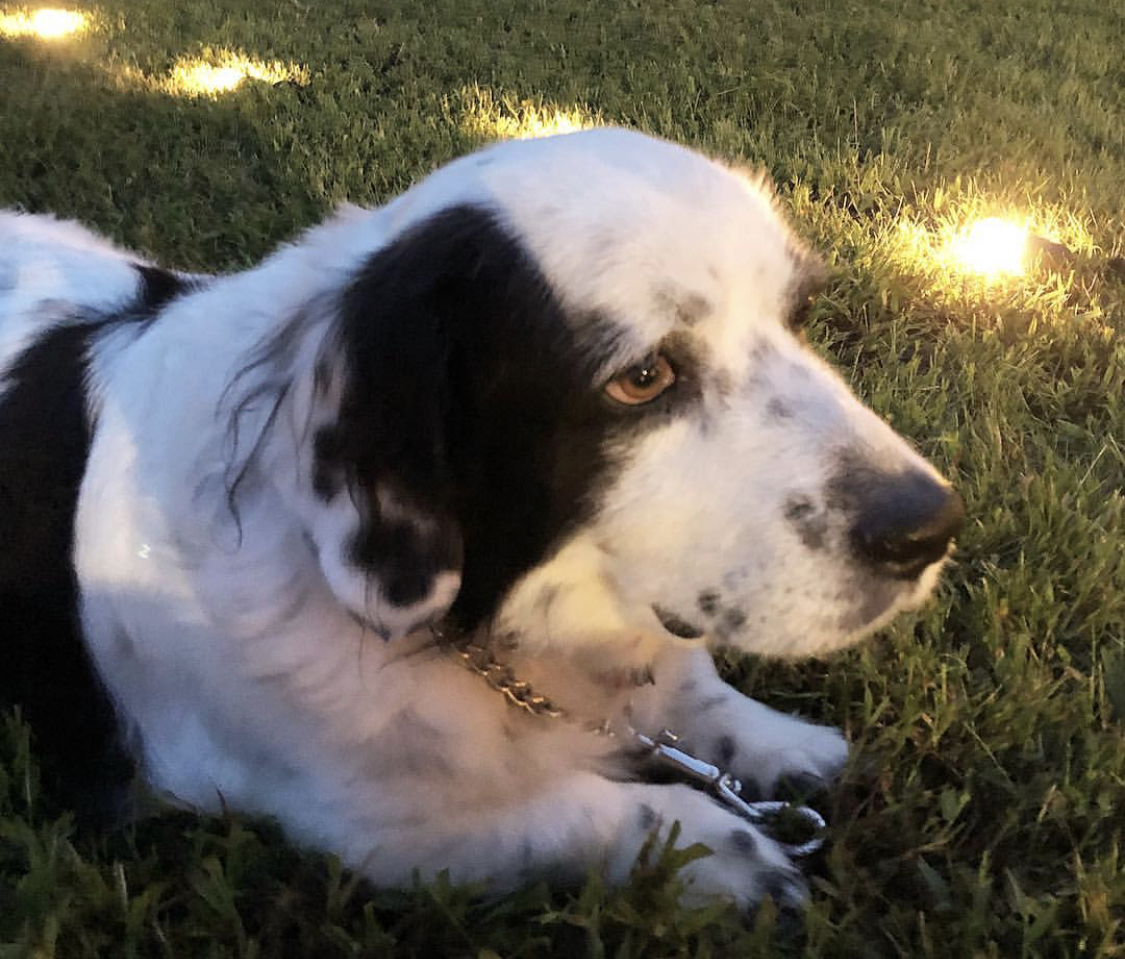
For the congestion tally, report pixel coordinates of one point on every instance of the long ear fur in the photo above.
(465, 427)
(450, 430)
(386, 447)
(324, 411)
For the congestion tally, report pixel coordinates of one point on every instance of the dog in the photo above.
(551, 404)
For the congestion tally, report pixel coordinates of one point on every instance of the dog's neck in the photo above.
(589, 684)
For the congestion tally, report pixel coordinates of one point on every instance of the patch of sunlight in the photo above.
(504, 118)
(991, 247)
(219, 72)
(45, 24)
(963, 242)
(974, 249)
(954, 251)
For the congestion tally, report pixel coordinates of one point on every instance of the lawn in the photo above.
(983, 811)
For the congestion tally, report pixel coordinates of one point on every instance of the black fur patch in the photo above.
(327, 480)
(733, 619)
(726, 749)
(687, 307)
(158, 287)
(810, 524)
(799, 509)
(778, 409)
(743, 840)
(44, 665)
(407, 554)
(472, 396)
(647, 817)
(709, 602)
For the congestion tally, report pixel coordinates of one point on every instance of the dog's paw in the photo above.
(772, 752)
(744, 866)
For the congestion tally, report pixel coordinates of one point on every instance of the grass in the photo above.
(982, 813)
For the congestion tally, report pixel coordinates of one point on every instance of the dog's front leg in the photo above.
(759, 745)
(580, 821)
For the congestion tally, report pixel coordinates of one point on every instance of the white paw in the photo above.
(763, 748)
(745, 865)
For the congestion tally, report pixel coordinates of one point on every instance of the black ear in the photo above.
(465, 432)
(387, 448)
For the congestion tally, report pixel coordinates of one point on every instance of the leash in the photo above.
(665, 749)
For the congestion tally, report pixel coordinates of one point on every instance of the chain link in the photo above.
(479, 659)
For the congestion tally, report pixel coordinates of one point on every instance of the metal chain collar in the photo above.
(664, 748)
(479, 659)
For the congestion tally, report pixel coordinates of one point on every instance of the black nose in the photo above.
(904, 523)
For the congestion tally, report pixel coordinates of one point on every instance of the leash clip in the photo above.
(727, 789)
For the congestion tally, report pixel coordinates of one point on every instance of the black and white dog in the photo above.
(551, 399)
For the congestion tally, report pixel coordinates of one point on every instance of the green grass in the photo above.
(982, 812)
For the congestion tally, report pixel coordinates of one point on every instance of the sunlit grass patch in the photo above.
(489, 117)
(44, 24)
(209, 75)
(991, 247)
(956, 253)
(218, 72)
(972, 249)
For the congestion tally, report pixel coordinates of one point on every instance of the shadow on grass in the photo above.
(181, 172)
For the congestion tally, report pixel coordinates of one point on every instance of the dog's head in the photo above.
(566, 396)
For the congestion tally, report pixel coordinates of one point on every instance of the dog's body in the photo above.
(546, 398)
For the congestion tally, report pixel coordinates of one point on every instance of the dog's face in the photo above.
(567, 397)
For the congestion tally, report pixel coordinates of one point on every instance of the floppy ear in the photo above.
(462, 435)
(382, 468)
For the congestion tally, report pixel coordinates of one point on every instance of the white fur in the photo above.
(46, 266)
(243, 658)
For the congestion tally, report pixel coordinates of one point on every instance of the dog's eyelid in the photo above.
(649, 358)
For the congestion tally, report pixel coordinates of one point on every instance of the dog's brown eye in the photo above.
(642, 383)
